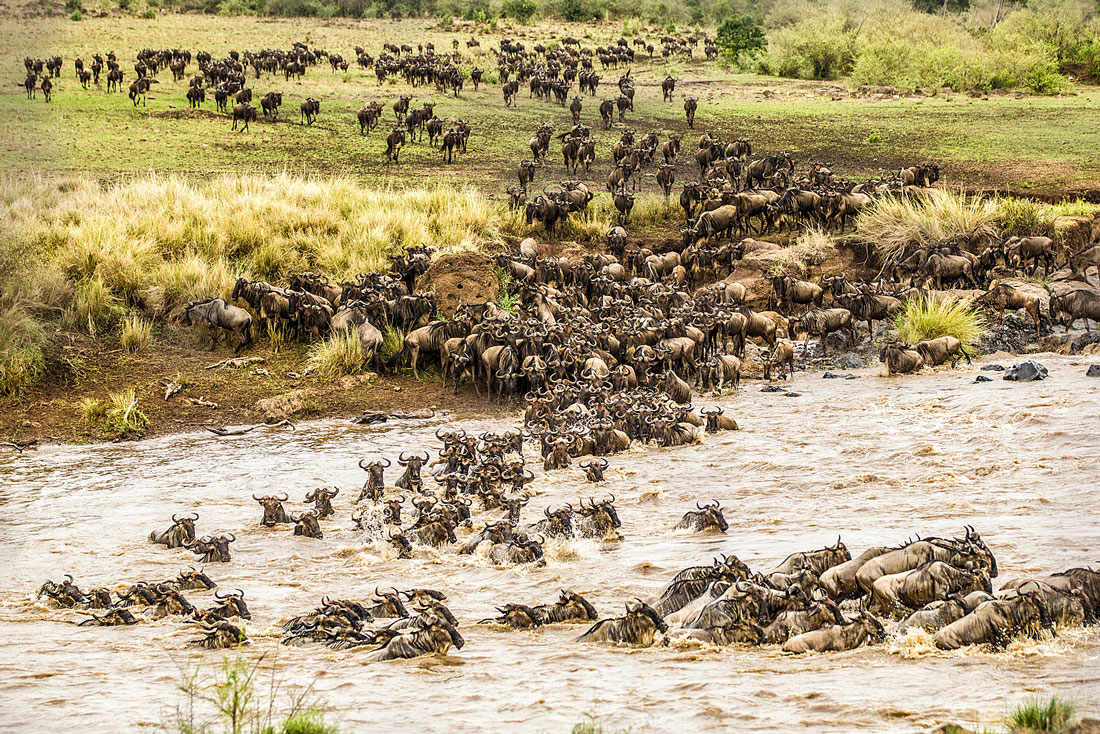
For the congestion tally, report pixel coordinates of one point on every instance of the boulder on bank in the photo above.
(458, 278)
(1029, 371)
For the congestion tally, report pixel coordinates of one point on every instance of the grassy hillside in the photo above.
(1047, 145)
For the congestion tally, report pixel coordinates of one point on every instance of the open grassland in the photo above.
(1047, 146)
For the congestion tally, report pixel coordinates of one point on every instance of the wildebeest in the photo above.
(322, 500)
(706, 518)
(112, 618)
(410, 479)
(1078, 304)
(270, 104)
(429, 636)
(996, 622)
(916, 587)
(935, 615)
(213, 548)
(800, 621)
(310, 108)
(376, 483)
(594, 470)
(598, 519)
(782, 354)
(690, 106)
(938, 351)
(900, 358)
(822, 322)
(220, 635)
(838, 637)
(638, 627)
(570, 607)
(220, 315)
(179, 534)
(1003, 296)
(394, 142)
(273, 510)
(307, 526)
(1023, 251)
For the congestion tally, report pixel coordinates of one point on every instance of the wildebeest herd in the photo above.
(819, 600)
(607, 350)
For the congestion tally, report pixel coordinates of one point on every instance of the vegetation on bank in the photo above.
(930, 318)
(1038, 716)
(119, 261)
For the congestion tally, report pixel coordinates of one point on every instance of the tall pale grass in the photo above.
(893, 225)
(926, 318)
(340, 354)
(136, 335)
(155, 242)
(811, 247)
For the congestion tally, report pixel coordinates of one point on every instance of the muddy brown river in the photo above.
(874, 460)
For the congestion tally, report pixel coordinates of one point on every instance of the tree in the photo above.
(519, 10)
(740, 34)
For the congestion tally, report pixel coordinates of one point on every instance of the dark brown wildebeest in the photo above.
(668, 86)
(900, 358)
(270, 104)
(430, 635)
(310, 108)
(394, 142)
(1077, 304)
(139, 88)
(707, 518)
(1028, 252)
(638, 627)
(690, 106)
(195, 96)
(575, 110)
(243, 112)
(401, 106)
(607, 111)
(823, 321)
(273, 509)
(510, 89)
(997, 622)
(179, 534)
(666, 177)
(937, 351)
(450, 140)
(868, 307)
(368, 116)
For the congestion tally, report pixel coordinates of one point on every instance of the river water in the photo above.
(874, 460)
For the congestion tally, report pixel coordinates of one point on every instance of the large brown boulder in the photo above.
(458, 278)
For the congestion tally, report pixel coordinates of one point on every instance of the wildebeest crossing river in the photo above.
(874, 460)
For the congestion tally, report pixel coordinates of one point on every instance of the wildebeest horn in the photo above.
(284, 498)
(361, 465)
(612, 500)
(175, 519)
(253, 497)
(401, 459)
(231, 536)
(196, 516)
(427, 456)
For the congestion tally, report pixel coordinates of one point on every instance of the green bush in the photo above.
(519, 10)
(77, 15)
(21, 360)
(739, 35)
(1037, 716)
(579, 11)
(149, 14)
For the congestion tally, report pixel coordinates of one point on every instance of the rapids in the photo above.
(874, 460)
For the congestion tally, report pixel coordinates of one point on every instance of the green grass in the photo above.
(393, 341)
(924, 318)
(1036, 715)
(89, 130)
(505, 298)
(122, 415)
(340, 354)
(21, 342)
(592, 723)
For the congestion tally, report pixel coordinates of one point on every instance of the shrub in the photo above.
(519, 10)
(1054, 715)
(739, 35)
(21, 360)
(811, 248)
(925, 318)
(122, 416)
(93, 306)
(580, 11)
(341, 354)
(77, 15)
(892, 225)
(393, 341)
(93, 410)
(137, 334)
(307, 722)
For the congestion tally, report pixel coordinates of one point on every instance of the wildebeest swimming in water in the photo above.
(213, 548)
(838, 637)
(274, 513)
(570, 607)
(179, 534)
(113, 618)
(639, 627)
(706, 518)
(997, 621)
(220, 635)
(430, 636)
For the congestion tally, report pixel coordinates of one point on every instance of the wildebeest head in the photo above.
(638, 611)
(322, 500)
(213, 548)
(273, 509)
(593, 470)
(375, 477)
(391, 510)
(192, 579)
(401, 543)
(180, 533)
(982, 550)
(517, 616)
(388, 604)
(712, 516)
(307, 525)
(65, 594)
(601, 510)
(231, 605)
